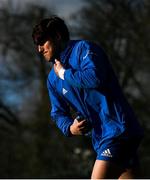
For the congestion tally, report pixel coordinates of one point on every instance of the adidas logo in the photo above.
(64, 91)
(106, 153)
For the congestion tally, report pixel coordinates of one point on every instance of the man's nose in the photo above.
(40, 48)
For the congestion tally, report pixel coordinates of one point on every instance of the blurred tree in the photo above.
(20, 72)
(122, 28)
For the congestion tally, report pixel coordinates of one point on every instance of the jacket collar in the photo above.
(64, 55)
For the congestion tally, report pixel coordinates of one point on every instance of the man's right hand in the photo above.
(78, 128)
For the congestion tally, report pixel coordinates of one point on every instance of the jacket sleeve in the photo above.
(60, 112)
(92, 71)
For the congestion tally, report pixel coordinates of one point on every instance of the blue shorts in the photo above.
(122, 151)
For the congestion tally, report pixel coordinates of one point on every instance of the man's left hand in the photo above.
(57, 66)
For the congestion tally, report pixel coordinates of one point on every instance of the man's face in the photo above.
(49, 49)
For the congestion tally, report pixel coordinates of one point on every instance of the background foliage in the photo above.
(30, 144)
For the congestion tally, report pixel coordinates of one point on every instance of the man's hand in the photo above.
(78, 128)
(59, 70)
(57, 66)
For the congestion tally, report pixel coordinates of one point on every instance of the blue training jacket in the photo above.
(91, 88)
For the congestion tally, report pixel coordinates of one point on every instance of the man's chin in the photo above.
(49, 59)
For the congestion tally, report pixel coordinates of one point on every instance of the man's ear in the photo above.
(58, 37)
